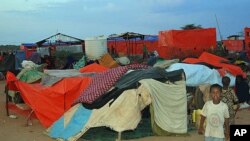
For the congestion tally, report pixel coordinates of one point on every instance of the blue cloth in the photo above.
(75, 125)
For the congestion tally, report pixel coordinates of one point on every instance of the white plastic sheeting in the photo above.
(199, 74)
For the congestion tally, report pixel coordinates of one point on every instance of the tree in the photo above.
(191, 26)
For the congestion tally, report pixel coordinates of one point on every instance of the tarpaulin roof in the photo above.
(132, 35)
(59, 39)
(127, 35)
(217, 62)
(49, 103)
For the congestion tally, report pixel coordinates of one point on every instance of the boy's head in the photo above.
(215, 91)
(226, 81)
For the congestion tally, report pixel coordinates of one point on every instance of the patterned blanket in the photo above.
(102, 82)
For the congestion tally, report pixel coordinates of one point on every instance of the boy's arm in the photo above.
(227, 132)
(201, 128)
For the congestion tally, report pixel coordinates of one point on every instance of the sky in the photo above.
(29, 21)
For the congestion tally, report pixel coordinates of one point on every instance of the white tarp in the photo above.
(199, 74)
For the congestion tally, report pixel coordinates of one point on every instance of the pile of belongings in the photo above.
(115, 98)
(110, 95)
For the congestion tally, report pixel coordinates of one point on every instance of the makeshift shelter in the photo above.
(60, 42)
(197, 74)
(233, 45)
(130, 43)
(214, 61)
(185, 43)
(126, 108)
(59, 96)
(58, 90)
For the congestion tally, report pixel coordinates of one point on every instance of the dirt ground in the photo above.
(17, 130)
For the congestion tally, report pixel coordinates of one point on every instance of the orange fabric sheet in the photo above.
(218, 62)
(49, 103)
(10, 79)
(93, 68)
(184, 43)
(247, 41)
(233, 45)
(132, 47)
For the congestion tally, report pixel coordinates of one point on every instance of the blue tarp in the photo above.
(19, 57)
(77, 122)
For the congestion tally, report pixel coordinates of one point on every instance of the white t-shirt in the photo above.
(215, 115)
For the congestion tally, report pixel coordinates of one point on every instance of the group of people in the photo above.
(221, 110)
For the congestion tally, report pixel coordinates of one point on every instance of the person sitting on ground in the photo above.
(242, 90)
(217, 115)
(229, 97)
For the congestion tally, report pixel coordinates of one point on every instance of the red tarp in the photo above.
(247, 41)
(184, 43)
(93, 68)
(49, 103)
(28, 50)
(132, 47)
(217, 62)
(233, 45)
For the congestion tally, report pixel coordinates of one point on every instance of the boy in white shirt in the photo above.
(217, 115)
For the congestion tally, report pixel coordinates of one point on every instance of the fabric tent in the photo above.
(132, 43)
(197, 74)
(49, 103)
(217, 62)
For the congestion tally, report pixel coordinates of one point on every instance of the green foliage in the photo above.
(191, 26)
(9, 47)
